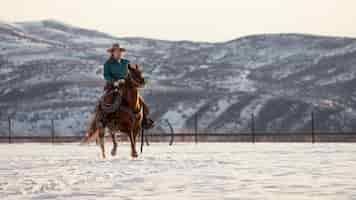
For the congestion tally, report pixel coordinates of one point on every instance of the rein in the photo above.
(133, 81)
(131, 111)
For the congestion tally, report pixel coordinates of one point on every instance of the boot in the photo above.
(147, 123)
(103, 120)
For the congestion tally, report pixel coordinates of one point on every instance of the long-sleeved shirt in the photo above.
(115, 69)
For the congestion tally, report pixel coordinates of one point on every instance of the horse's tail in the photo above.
(91, 136)
(92, 132)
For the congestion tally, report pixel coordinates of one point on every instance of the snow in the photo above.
(38, 79)
(207, 171)
(5, 70)
(178, 116)
(239, 82)
(67, 122)
(217, 55)
(339, 51)
(137, 46)
(93, 40)
(19, 59)
(204, 66)
(181, 66)
(6, 91)
(93, 73)
(215, 111)
(308, 78)
(343, 77)
(254, 107)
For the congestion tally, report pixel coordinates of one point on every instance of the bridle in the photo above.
(135, 82)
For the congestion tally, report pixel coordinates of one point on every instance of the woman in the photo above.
(115, 73)
(115, 69)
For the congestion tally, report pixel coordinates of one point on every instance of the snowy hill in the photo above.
(50, 70)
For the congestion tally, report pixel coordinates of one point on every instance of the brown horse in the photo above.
(128, 118)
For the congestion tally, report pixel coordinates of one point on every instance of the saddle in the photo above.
(111, 100)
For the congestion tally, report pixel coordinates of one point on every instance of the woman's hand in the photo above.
(118, 82)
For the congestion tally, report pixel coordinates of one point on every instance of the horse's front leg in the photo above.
(114, 142)
(102, 141)
(133, 144)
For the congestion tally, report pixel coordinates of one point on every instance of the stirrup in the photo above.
(102, 124)
(148, 124)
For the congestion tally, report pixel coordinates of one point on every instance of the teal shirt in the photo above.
(114, 69)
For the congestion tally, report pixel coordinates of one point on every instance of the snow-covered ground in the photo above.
(182, 171)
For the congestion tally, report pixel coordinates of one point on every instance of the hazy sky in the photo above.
(200, 20)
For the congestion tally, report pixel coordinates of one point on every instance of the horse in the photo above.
(126, 119)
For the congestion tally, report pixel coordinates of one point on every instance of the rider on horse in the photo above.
(115, 73)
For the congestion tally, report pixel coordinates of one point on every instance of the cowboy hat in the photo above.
(114, 47)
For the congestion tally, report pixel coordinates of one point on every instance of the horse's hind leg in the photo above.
(102, 142)
(114, 142)
(133, 144)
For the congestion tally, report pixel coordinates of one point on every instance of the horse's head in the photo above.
(135, 77)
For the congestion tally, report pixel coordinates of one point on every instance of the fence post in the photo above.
(253, 127)
(9, 119)
(172, 132)
(142, 133)
(344, 122)
(196, 128)
(312, 123)
(52, 131)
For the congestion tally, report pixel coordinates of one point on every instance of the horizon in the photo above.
(196, 21)
(181, 40)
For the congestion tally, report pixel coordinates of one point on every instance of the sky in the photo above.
(197, 20)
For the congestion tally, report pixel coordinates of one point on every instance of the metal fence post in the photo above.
(312, 123)
(142, 133)
(52, 131)
(253, 127)
(196, 128)
(172, 132)
(9, 119)
(343, 122)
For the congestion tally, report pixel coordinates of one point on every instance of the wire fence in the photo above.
(195, 133)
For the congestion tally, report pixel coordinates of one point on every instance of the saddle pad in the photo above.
(110, 102)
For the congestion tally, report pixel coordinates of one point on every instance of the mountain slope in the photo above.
(50, 70)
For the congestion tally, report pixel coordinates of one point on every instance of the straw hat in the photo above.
(114, 47)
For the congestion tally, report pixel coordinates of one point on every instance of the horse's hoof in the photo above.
(113, 153)
(134, 154)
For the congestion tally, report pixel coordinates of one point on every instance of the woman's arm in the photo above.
(107, 74)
